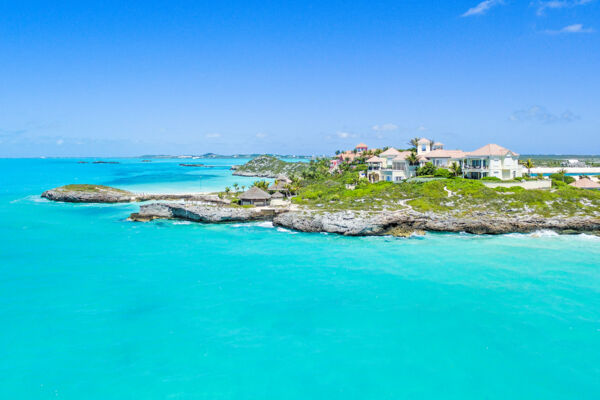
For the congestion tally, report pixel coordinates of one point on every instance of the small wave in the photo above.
(266, 224)
(587, 236)
(416, 235)
(33, 198)
(182, 223)
(543, 233)
(286, 231)
(537, 234)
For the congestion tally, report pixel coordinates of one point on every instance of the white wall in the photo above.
(544, 184)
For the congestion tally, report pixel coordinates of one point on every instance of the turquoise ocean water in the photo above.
(95, 307)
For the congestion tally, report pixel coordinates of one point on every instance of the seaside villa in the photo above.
(490, 160)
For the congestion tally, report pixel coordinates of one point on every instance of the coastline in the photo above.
(359, 223)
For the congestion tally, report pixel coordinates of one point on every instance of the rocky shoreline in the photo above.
(212, 209)
(351, 223)
(105, 194)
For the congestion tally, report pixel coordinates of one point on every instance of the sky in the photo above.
(125, 78)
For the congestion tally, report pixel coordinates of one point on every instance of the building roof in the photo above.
(375, 159)
(279, 185)
(349, 155)
(283, 178)
(438, 144)
(491, 150)
(440, 153)
(361, 145)
(391, 152)
(277, 195)
(424, 141)
(585, 183)
(402, 155)
(255, 193)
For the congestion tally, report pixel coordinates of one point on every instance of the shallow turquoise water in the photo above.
(95, 307)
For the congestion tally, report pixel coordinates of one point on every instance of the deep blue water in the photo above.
(95, 307)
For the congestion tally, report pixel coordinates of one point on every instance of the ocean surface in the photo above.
(95, 307)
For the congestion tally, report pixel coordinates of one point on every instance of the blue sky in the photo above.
(86, 78)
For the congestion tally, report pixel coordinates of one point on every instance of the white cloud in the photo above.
(60, 142)
(558, 4)
(385, 127)
(482, 7)
(540, 114)
(575, 28)
(345, 135)
(421, 128)
(261, 135)
(212, 135)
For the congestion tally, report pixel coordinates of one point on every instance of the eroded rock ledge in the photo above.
(364, 224)
(202, 213)
(105, 194)
(349, 223)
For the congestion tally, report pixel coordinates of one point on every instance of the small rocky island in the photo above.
(86, 193)
(267, 166)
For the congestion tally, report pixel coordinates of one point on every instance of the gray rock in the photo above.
(202, 213)
(105, 194)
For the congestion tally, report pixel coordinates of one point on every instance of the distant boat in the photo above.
(106, 162)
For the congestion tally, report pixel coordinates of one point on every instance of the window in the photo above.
(424, 148)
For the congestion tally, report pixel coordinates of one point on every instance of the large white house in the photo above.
(490, 160)
(494, 161)
(391, 166)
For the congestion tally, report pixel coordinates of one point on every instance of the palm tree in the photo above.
(227, 189)
(529, 164)
(456, 169)
(414, 142)
(264, 185)
(412, 158)
(236, 186)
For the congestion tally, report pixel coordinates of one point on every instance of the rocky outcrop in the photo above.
(106, 194)
(403, 222)
(89, 194)
(201, 213)
(266, 166)
(212, 209)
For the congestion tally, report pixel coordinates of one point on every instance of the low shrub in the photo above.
(562, 178)
(442, 173)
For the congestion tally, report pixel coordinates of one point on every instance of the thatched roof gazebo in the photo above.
(279, 186)
(255, 196)
(277, 195)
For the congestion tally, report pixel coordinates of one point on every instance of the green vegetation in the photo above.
(562, 177)
(427, 169)
(89, 188)
(458, 196)
(272, 166)
(264, 185)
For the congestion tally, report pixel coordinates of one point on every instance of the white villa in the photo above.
(490, 160)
